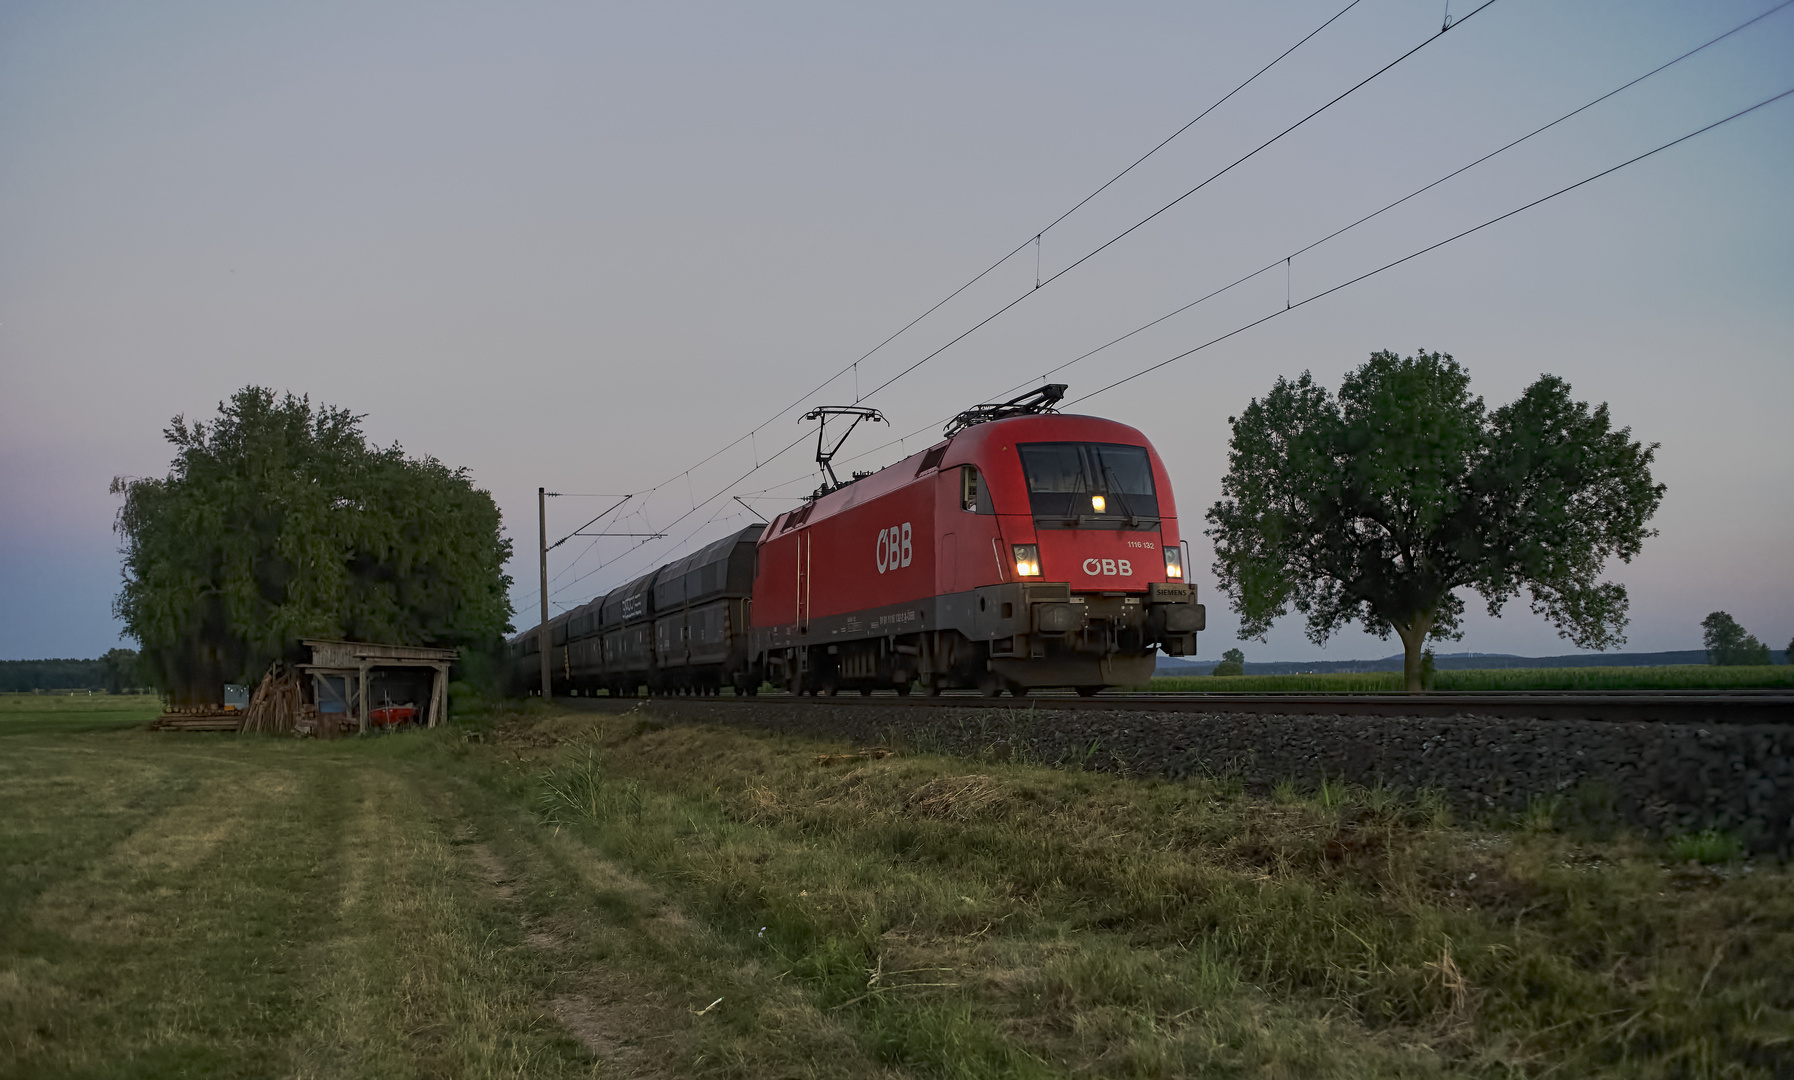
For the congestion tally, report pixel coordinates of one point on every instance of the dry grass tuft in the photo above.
(957, 798)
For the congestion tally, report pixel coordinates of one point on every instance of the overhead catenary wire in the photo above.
(595, 538)
(1434, 247)
(1105, 245)
(682, 540)
(694, 509)
(1288, 259)
(1406, 258)
(1032, 239)
(606, 511)
(1291, 305)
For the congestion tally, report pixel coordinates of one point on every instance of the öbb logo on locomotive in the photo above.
(1109, 567)
(894, 547)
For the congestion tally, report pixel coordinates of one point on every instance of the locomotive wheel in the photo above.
(935, 685)
(903, 691)
(1089, 691)
(865, 691)
(990, 685)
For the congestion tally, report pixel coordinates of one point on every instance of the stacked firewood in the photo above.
(278, 706)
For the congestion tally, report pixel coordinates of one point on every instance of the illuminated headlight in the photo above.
(1174, 564)
(1027, 560)
(1098, 503)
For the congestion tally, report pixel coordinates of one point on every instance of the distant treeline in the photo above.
(1456, 663)
(115, 673)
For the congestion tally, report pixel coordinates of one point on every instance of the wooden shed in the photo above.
(376, 684)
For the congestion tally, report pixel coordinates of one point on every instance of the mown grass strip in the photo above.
(996, 919)
(250, 907)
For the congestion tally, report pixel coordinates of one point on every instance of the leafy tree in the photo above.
(1377, 505)
(1727, 643)
(119, 671)
(1233, 662)
(278, 522)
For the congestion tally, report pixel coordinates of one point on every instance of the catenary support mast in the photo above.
(543, 639)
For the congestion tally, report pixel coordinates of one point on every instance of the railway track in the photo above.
(1659, 706)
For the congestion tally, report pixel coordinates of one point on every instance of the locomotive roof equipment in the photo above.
(824, 458)
(1032, 403)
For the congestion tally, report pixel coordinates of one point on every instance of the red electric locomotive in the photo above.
(1029, 549)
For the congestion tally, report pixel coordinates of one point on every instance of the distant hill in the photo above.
(1451, 662)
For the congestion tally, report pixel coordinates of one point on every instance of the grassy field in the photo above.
(68, 714)
(1669, 677)
(550, 893)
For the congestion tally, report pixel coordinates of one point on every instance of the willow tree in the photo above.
(1379, 506)
(277, 522)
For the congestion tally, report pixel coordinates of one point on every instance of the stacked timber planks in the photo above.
(199, 719)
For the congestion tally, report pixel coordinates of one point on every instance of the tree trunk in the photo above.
(1413, 637)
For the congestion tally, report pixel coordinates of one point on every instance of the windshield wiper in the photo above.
(1115, 490)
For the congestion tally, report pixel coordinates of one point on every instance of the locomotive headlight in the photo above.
(1027, 560)
(1174, 564)
(1098, 503)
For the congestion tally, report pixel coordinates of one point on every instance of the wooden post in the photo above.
(543, 637)
(361, 699)
(439, 696)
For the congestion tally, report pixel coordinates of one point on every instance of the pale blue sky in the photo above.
(585, 245)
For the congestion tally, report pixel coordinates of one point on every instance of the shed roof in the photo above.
(356, 653)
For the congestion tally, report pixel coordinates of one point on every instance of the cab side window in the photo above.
(974, 496)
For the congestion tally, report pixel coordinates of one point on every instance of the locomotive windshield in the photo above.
(1089, 483)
